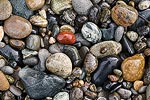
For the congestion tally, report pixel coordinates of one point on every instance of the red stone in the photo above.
(66, 38)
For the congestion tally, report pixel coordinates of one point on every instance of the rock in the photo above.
(16, 91)
(1, 33)
(52, 40)
(133, 67)
(127, 85)
(148, 93)
(55, 48)
(38, 21)
(83, 51)
(20, 8)
(119, 33)
(137, 85)
(67, 28)
(114, 96)
(90, 63)
(106, 48)
(7, 70)
(28, 53)
(89, 94)
(2, 62)
(4, 85)
(139, 97)
(80, 20)
(59, 5)
(31, 61)
(143, 30)
(38, 85)
(133, 36)
(76, 94)
(66, 38)
(105, 15)
(18, 44)
(142, 89)
(113, 78)
(17, 27)
(62, 68)
(35, 4)
(124, 15)
(144, 5)
(82, 6)
(5, 9)
(91, 32)
(61, 96)
(105, 67)
(124, 93)
(8, 96)
(117, 72)
(33, 42)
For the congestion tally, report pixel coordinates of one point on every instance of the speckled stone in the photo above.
(133, 67)
(137, 85)
(144, 4)
(119, 33)
(61, 96)
(148, 93)
(133, 36)
(4, 85)
(1, 33)
(124, 93)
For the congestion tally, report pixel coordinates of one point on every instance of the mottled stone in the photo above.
(133, 36)
(61, 96)
(4, 85)
(16, 91)
(31, 61)
(106, 48)
(133, 67)
(137, 85)
(28, 53)
(145, 4)
(76, 94)
(18, 44)
(124, 93)
(105, 15)
(17, 27)
(117, 72)
(119, 33)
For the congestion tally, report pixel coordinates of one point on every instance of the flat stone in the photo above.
(38, 85)
(144, 5)
(31, 61)
(4, 85)
(61, 96)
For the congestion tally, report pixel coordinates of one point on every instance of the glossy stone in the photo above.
(105, 67)
(19, 44)
(106, 48)
(124, 15)
(133, 67)
(119, 33)
(66, 38)
(17, 27)
(4, 85)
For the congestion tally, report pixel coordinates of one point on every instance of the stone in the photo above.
(119, 33)
(35, 4)
(52, 40)
(133, 36)
(124, 93)
(114, 96)
(1, 33)
(137, 85)
(142, 89)
(7, 70)
(83, 51)
(106, 48)
(144, 4)
(127, 85)
(117, 72)
(5, 9)
(148, 93)
(18, 44)
(20, 8)
(39, 85)
(133, 67)
(56, 48)
(105, 15)
(91, 32)
(33, 42)
(61, 96)
(2, 62)
(66, 38)
(67, 28)
(76, 94)
(28, 53)
(31, 61)
(139, 97)
(82, 6)
(59, 5)
(62, 68)
(16, 91)
(124, 15)
(17, 27)
(4, 85)
(113, 78)
(143, 30)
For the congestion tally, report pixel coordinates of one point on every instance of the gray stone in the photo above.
(2, 63)
(124, 93)
(16, 91)
(83, 51)
(76, 94)
(31, 61)
(7, 70)
(148, 93)
(142, 89)
(114, 96)
(56, 48)
(28, 53)
(133, 36)
(38, 85)
(119, 33)
(82, 6)
(91, 32)
(61, 96)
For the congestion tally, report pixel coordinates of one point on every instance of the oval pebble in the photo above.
(144, 4)
(133, 36)
(119, 33)
(61, 96)
(7, 70)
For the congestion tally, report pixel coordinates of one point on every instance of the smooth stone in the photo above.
(59, 5)
(4, 84)
(76, 94)
(133, 67)
(133, 36)
(67, 28)
(134, 92)
(137, 85)
(95, 1)
(105, 67)
(143, 30)
(1, 33)
(148, 93)
(56, 48)
(17, 27)
(16, 91)
(127, 85)
(124, 93)
(117, 72)
(105, 15)
(114, 96)
(80, 20)
(91, 32)
(18, 44)
(39, 85)
(20, 8)
(127, 46)
(142, 89)
(33, 42)
(106, 48)
(61, 96)
(82, 6)
(35, 4)
(31, 61)
(101, 98)
(83, 51)
(55, 30)
(2, 62)
(62, 68)
(28, 53)
(139, 97)
(7, 70)
(119, 33)
(144, 5)
(5, 9)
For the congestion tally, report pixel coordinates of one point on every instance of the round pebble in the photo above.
(61, 96)
(133, 36)
(4, 85)
(144, 4)
(124, 93)
(117, 72)
(119, 33)
(1, 33)
(7, 70)
(16, 91)
(137, 85)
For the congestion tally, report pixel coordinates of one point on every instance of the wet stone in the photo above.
(127, 85)
(119, 33)
(142, 89)
(80, 20)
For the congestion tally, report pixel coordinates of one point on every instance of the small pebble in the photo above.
(2, 62)
(61, 96)
(113, 78)
(4, 84)
(145, 4)
(7, 70)
(117, 72)
(137, 85)
(31, 61)
(16, 91)
(76, 94)
(148, 93)
(67, 28)
(114, 96)
(142, 89)
(133, 36)
(119, 33)
(124, 93)
(52, 40)
(18, 44)
(1, 33)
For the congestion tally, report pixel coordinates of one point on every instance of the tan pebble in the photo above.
(4, 84)
(1, 33)
(67, 28)
(138, 84)
(52, 40)
(43, 13)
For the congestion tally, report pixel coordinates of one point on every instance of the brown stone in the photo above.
(17, 44)
(133, 68)
(17, 27)
(4, 84)
(137, 85)
(147, 52)
(35, 4)
(124, 15)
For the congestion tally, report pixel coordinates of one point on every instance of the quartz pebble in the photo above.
(133, 36)
(1, 33)
(145, 4)
(4, 85)
(61, 96)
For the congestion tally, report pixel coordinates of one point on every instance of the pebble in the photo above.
(143, 30)
(1, 33)
(124, 93)
(117, 72)
(17, 27)
(145, 4)
(33, 42)
(127, 85)
(76, 94)
(119, 33)
(106, 48)
(49, 85)
(8, 96)
(10, 79)
(2, 62)
(61, 96)
(28, 53)
(83, 51)
(16, 91)
(105, 15)
(18, 44)
(137, 85)
(148, 42)
(90, 63)
(124, 15)
(133, 67)
(148, 93)
(133, 36)
(31, 61)
(80, 20)
(38, 21)
(82, 6)
(91, 32)
(139, 97)
(7, 70)
(142, 89)
(113, 78)
(4, 85)
(67, 28)
(55, 48)
(62, 68)
(59, 5)
(5, 9)
(66, 38)
(35, 4)
(114, 96)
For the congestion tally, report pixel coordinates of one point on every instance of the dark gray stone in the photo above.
(31, 61)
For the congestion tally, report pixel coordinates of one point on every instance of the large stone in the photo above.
(38, 85)
(4, 85)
